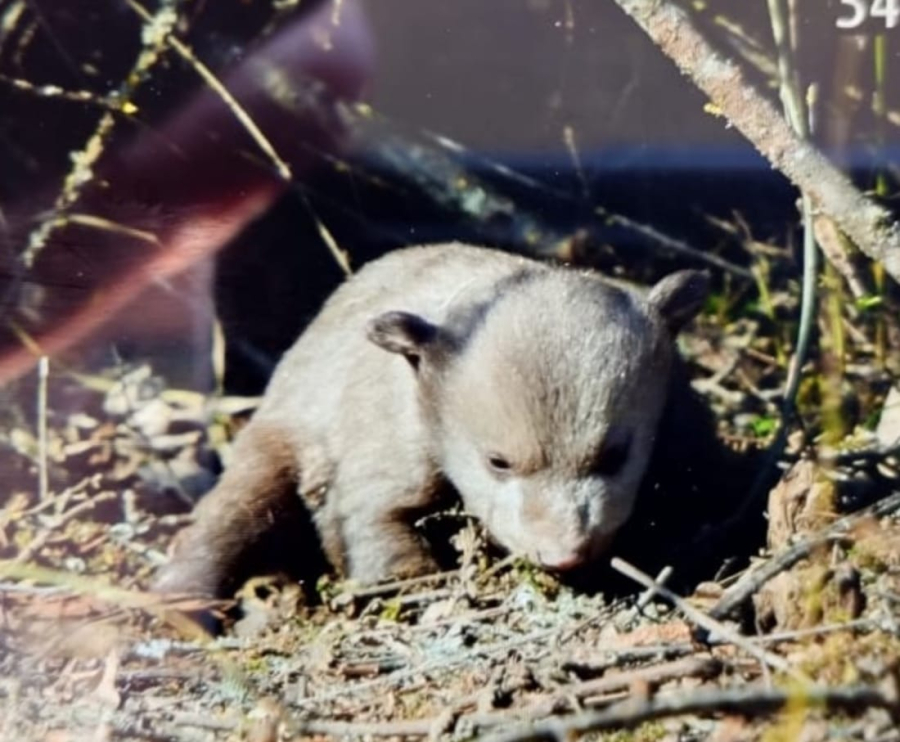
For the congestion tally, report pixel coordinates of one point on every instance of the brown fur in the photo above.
(535, 390)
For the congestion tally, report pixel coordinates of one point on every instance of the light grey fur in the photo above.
(372, 412)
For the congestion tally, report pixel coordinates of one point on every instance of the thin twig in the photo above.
(250, 126)
(43, 479)
(85, 159)
(207, 75)
(699, 666)
(796, 115)
(735, 596)
(395, 586)
(606, 658)
(645, 597)
(704, 621)
(39, 541)
(673, 243)
(339, 729)
(792, 636)
(747, 701)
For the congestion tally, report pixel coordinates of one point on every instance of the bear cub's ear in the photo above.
(678, 298)
(402, 332)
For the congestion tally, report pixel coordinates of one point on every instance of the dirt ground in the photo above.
(803, 644)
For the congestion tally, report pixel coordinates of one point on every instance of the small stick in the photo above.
(674, 244)
(333, 728)
(43, 481)
(737, 594)
(603, 659)
(645, 597)
(745, 701)
(790, 636)
(41, 539)
(704, 621)
(398, 585)
(205, 721)
(688, 667)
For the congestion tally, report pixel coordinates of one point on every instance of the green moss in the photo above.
(540, 580)
(327, 588)
(764, 426)
(866, 560)
(391, 610)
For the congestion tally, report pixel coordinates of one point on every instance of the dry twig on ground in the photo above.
(747, 586)
(748, 701)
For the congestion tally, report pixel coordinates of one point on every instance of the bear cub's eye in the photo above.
(499, 464)
(612, 456)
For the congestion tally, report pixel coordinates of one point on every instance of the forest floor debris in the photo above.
(803, 644)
